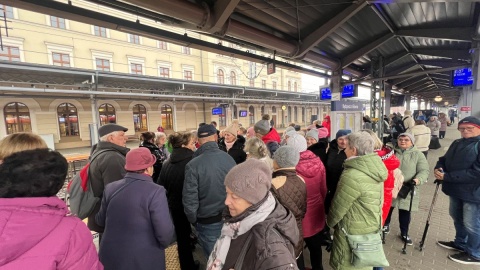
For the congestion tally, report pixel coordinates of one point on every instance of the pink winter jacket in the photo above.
(311, 169)
(37, 233)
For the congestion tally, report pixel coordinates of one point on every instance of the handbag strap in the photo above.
(243, 252)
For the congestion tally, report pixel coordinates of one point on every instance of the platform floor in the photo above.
(433, 257)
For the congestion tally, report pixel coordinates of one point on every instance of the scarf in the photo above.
(233, 230)
(229, 145)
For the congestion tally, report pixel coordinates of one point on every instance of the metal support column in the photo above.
(377, 94)
(175, 115)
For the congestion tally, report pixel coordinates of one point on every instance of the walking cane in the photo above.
(412, 191)
(434, 200)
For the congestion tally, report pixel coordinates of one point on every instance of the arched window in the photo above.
(303, 115)
(220, 76)
(233, 78)
(295, 86)
(17, 118)
(167, 117)
(140, 118)
(295, 114)
(262, 110)
(107, 114)
(67, 120)
(274, 109)
(289, 86)
(251, 113)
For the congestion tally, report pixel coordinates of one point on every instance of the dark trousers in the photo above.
(425, 153)
(403, 219)
(442, 134)
(301, 262)
(314, 246)
(183, 232)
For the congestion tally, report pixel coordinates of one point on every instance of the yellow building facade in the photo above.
(46, 40)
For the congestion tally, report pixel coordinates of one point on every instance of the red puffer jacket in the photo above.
(311, 169)
(391, 162)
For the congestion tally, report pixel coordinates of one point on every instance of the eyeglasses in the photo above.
(403, 140)
(466, 128)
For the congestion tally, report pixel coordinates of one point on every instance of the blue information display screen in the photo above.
(243, 113)
(217, 111)
(462, 77)
(347, 92)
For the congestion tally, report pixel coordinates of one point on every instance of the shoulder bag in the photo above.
(367, 249)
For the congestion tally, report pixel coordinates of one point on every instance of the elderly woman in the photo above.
(357, 204)
(37, 230)
(149, 141)
(434, 125)
(317, 143)
(172, 178)
(312, 170)
(256, 148)
(232, 143)
(135, 214)
(334, 165)
(444, 122)
(414, 167)
(259, 233)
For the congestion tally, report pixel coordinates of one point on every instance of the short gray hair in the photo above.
(104, 138)
(362, 141)
(159, 135)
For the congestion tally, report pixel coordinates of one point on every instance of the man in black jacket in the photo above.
(204, 190)
(459, 170)
(108, 166)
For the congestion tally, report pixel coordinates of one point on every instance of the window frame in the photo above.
(130, 36)
(51, 48)
(49, 22)
(94, 31)
(136, 61)
(67, 123)
(142, 127)
(101, 55)
(107, 113)
(9, 10)
(9, 55)
(20, 127)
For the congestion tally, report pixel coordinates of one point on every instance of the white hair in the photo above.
(362, 141)
(104, 138)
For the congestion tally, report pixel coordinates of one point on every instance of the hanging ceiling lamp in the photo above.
(438, 98)
(446, 103)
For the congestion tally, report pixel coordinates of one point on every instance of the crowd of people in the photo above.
(252, 198)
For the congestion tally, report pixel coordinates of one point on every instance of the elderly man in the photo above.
(204, 190)
(459, 169)
(107, 164)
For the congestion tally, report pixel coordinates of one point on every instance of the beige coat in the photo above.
(422, 136)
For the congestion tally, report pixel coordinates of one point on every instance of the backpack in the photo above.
(82, 199)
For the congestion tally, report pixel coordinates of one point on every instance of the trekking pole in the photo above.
(427, 224)
(412, 191)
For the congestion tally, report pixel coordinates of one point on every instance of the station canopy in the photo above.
(418, 43)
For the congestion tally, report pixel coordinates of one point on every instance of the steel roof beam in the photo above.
(221, 12)
(347, 60)
(441, 62)
(410, 83)
(422, 83)
(456, 34)
(325, 29)
(449, 53)
(412, 74)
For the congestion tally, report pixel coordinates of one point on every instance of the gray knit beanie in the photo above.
(286, 157)
(250, 180)
(262, 127)
(312, 133)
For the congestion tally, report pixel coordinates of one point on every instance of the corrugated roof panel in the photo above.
(425, 14)
(416, 42)
(355, 33)
(390, 47)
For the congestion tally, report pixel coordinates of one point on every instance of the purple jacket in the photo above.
(39, 233)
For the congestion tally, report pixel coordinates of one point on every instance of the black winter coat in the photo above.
(334, 167)
(320, 150)
(236, 152)
(272, 243)
(172, 176)
(159, 154)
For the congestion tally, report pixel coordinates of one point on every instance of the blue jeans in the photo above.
(377, 268)
(208, 235)
(466, 218)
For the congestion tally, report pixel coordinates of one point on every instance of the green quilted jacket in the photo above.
(413, 164)
(357, 205)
